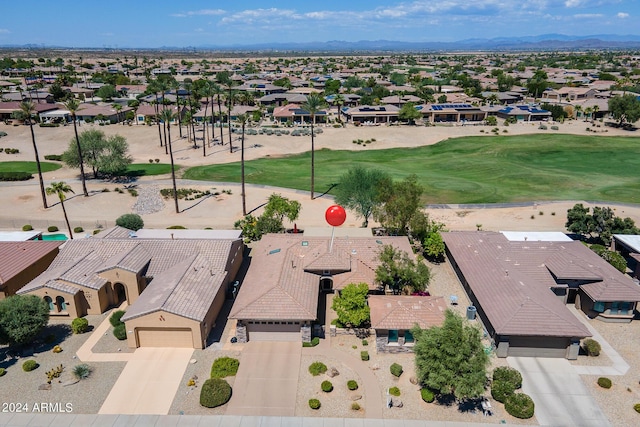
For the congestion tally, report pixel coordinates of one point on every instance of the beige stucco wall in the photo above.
(10, 287)
(133, 283)
(162, 319)
(75, 305)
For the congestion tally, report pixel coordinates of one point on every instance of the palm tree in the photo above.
(167, 116)
(27, 109)
(218, 91)
(578, 109)
(595, 111)
(339, 101)
(72, 105)
(155, 88)
(313, 105)
(61, 188)
(242, 119)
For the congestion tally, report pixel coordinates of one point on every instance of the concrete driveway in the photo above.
(148, 384)
(267, 379)
(560, 397)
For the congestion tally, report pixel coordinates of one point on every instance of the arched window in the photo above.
(49, 301)
(62, 305)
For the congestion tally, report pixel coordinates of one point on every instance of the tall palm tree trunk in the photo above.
(244, 200)
(84, 184)
(313, 162)
(173, 173)
(35, 149)
(66, 218)
(220, 120)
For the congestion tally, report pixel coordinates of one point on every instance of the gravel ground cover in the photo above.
(19, 390)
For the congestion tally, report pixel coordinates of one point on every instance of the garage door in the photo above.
(161, 337)
(538, 347)
(274, 331)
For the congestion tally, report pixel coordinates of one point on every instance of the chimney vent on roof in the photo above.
(506, 273)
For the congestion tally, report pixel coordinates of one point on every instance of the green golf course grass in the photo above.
(470, 169)
(149, 169)
(29, 167)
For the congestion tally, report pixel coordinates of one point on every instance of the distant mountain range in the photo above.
(533, 43)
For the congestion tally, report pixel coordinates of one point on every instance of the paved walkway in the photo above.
(267, 379)
(619, 367)
(85, 352)
(558, 392)
(149, 382)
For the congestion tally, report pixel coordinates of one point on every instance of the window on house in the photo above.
(614, 308)
(49, 301)
(624, 307)
(60, 302)
(393, 335)
(598, 306)
(408, 337)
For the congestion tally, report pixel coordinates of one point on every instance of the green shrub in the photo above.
(355, 406)
(96, 231)
(29, 365)
(501, 390)
(120, 332)
(52, 228)
(554, 128)
(176, 227)
(326, 386)
(27, 227)
(636, 407)
(115, 318)
(81, 371)
(224, 367)
(604, 382)
(2, 372)
(314, 404)
(352, 385)
(396, 370)
(78, 230)
(215, 392)
(314, 342)
(317, 368)
(510, 375)
(130, 221)
(520, 405)
(79, 325)
(592, 347)
(56, 157)
(365, 342)
(15, 176)
(427, 395)
(394, 391)
(364, 355)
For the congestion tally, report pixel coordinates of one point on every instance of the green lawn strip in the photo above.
(148, 169)
(471, 169)
(29, 167)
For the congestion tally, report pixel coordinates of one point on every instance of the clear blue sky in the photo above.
(151, 24)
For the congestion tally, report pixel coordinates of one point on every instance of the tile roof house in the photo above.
(393, 317)
(521, 288)
(22, 262)
(279, 295)
(174, 288)
(371, 114)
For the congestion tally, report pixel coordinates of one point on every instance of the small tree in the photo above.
(359, 190)
(409, 113)
(399, 272)
(625, 108)
(450, 359)
(400, 203)
(22, 318)
(60, 189)
(351, 305)
(271, 220)
(131, 221)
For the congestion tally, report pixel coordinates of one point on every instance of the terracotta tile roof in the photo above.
(404, 312)
(511, 281)
(284, 277)
(18, 256)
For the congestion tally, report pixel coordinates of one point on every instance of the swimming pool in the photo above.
(54, 237)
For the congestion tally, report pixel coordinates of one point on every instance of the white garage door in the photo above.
(161, 337)
(274, 331)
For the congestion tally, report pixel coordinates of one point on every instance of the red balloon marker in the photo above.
(335, 215)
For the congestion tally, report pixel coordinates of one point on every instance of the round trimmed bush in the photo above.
(592, 347)
(427, 395)
(604, 382)
(78, 230)
(636, 407)
(29, 365)
(501, 390)
(176, 227)
(52, 228)
(120, 332)
(317, 368)
(326, 386)
(115, 318)
(27, 227)
(224, 367)
(520, 405)
(314, 404)
(352, 385)
(131, 221)
(2, 372)
(505, 373)
(396, 369)
(394, 391)
(355, 406)
(215, 392)
(79, 325)
(364, 355)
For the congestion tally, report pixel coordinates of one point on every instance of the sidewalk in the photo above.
(85, 352)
